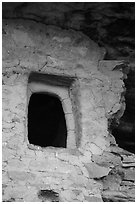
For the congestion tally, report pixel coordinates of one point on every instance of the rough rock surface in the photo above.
(109, 24)
(29, 46)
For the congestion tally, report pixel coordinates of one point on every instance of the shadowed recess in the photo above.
(46, 121)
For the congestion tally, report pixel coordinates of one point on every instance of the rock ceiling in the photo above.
(110, 24)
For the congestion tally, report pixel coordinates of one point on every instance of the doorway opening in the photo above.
(46, 121)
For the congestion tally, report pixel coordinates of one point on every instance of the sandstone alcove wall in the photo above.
(77, 173)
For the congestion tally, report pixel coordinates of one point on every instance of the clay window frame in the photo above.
(60, 87)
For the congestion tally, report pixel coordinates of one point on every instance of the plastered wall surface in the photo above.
(97, 94)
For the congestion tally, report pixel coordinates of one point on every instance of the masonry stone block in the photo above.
(71, 142)
(18, 175)
(67, 106)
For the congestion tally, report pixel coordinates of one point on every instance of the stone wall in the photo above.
(32, 47)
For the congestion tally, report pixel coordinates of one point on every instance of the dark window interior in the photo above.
(46, 121)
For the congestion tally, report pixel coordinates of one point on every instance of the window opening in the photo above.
(46, 121)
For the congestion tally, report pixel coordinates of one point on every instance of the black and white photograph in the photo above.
(68, 101)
